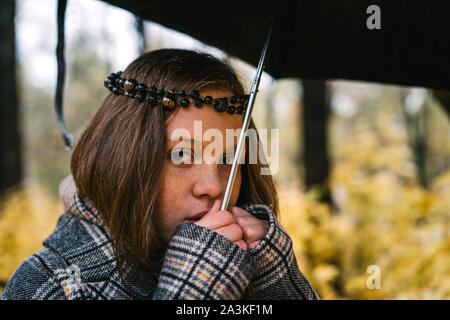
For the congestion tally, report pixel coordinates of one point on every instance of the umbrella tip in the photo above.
(68, 139)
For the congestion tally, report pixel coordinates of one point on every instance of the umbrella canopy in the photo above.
(320, 39)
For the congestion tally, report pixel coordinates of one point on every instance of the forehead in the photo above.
(186, 118)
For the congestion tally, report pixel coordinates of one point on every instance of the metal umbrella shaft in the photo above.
(246, 122)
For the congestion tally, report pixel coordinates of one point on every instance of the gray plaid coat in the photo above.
(77, 262)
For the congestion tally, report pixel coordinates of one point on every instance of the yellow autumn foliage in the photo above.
(403, 230)
(26, 219)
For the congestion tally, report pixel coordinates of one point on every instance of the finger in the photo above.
(254, 233)
(232, 232)
(249, 221)
(215, 220)
(216, 205)
(242, 244)
(239, 212)
(253, 244)
(243, 217)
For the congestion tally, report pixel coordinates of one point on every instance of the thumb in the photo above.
(216, 206)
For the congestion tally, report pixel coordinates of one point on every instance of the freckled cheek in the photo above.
(171, 190)
(168, 207)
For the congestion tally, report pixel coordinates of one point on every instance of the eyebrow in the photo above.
(192, 140)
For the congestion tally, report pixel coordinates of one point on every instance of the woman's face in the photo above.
(187, 190)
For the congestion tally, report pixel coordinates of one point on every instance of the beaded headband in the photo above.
(171, 98)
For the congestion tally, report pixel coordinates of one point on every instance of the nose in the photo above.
(209, 182)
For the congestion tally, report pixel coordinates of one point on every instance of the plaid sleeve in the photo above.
(34, 279)
(201, 264)
(277, 274)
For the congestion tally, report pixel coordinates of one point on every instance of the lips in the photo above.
(197, 216)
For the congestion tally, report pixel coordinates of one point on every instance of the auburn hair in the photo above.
(118, 159)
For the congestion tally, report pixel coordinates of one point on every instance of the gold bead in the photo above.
(129, 84)
(168, 103)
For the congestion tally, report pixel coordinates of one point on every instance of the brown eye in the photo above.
(181, 156)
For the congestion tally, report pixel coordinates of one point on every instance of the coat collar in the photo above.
(80, 206)
(82, 239)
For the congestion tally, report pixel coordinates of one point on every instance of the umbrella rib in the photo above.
(245, 123)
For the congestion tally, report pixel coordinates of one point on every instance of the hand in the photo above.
(223, 223)
(254, 229)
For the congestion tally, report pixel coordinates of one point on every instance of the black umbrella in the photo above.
(410, 44)
(322, 39)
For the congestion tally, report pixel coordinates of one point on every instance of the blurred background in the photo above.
(364, 168)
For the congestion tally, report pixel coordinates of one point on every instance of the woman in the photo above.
(142, 213)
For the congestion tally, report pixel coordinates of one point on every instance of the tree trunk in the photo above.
(141, 32)
(418, 131)
(10, 137)
(315, 143)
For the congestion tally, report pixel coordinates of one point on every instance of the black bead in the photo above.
(208, 100)
(140, 97)
(115, 90)
(241, 100)
(150, 98)
(117, 74)
(120, 81)
(140, 87)
(195, 94)
(198, 103)
(233, 100)
(240, 110)
(171, 96)
(152, 90)
(231, 109)
(110, 87)
(220, 105)
(182, 93)
(185, 103)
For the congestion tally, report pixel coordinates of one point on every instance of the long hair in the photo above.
(119, 157)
